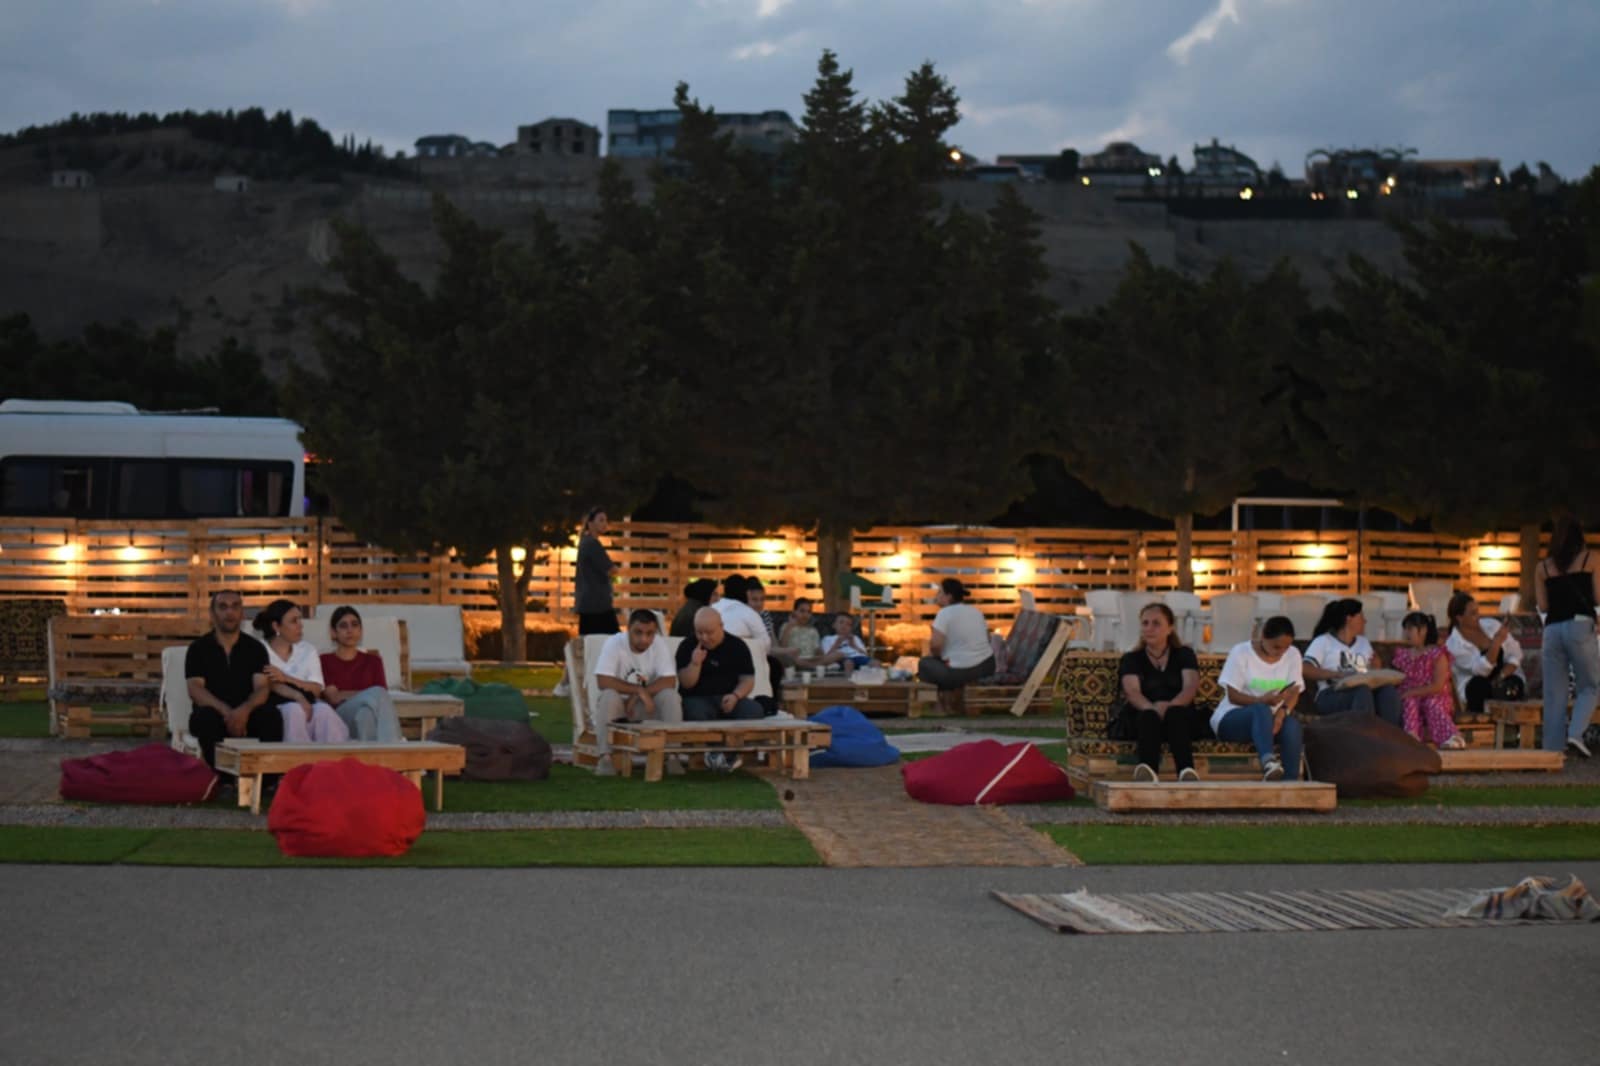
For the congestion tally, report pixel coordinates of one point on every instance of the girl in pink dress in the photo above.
(1427, 704)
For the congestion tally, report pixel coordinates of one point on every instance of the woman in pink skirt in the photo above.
(1427, 704)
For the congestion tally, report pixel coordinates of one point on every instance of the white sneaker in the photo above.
(675, 766)
(1145, 772)
(1577, 745)
(603, 768)
(1187, 775)
(1272, 770)
(716, 762)
(562, 688)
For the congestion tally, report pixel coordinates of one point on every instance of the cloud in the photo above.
(1205, 30)
(765, 9)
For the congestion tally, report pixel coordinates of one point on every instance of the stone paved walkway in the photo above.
(863, 817)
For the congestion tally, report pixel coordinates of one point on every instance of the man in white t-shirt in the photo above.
(637, 680)
(958, 648)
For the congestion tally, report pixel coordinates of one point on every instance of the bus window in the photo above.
(264, 490)
(31, 486)
(207, 491)
(141, 489)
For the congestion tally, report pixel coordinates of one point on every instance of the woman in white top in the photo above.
(739, 619)
(1261, 681)
(1339, 648)
(294, 669)
(1484, 656)
(958, 648)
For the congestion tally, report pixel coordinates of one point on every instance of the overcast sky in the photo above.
(1514, 79)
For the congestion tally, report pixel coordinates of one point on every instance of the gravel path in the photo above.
(70, 815)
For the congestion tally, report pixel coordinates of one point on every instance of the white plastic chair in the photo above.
(1191, 617)
(1233, 619)
(1432, 596)
(383, 637)
(1268, 604)
(175, 702)
(1508, 604)
(1131, 604)
(1304, 609)
(1379, 625)
(1105, 606)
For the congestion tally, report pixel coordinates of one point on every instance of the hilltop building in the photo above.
(651, 134)
(558, 136)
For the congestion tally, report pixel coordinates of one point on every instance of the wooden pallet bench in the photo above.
(1499, 760)
(1216, 796)
(249, 760)
(1524, 716)
(419, 712)
(113, 659)
(786, 743)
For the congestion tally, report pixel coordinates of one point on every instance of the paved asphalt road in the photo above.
(111, 966)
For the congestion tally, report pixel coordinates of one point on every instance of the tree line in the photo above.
(816, 340)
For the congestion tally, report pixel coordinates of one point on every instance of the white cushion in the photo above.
(434, 631)
(381, 636)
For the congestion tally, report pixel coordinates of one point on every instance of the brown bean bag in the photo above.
(497, 750)
(1367, 757)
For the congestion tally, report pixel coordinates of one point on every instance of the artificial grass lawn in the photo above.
(1140, 845)
(436, 848)
(572, 789)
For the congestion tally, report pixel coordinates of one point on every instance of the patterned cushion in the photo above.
(1101, 746)
(1092, 689)
(1024, 646)
(144, 692)
(24, 633)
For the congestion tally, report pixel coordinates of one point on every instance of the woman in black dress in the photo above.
(1160, 679)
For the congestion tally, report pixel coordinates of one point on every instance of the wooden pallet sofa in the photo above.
(25, 640)
(1092, 690)
(111, 659)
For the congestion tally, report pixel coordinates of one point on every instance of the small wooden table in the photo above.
(902, 699)
(419, 712)
(788, 740)
(1521, 715)
(249, 760)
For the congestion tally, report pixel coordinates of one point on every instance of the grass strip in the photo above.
(572, 789)
(51, 844)
(1136, 845)
(441, 848)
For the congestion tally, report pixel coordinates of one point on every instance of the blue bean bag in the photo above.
(856, 741)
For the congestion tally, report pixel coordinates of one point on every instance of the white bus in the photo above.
(63, 459)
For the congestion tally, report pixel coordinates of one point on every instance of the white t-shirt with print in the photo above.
(618, 659)
(1328, 652)
(1248, 672)
(966, 635)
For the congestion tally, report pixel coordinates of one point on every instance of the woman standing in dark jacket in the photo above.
(592, 578)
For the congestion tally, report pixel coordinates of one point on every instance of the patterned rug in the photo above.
(1249, 912)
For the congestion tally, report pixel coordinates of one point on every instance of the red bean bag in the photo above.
(153, 773)
(345, 808)
(987, 771)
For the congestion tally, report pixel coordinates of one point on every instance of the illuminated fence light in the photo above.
(519, 554)
(898, 561)
(129, 554)
(1495, 552)
(67, 552)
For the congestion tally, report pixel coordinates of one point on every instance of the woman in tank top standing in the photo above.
(1565, 585)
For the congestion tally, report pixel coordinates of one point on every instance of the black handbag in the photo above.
(1123, 725)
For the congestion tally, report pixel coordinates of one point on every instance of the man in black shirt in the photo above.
(715, 672)
(226, 671)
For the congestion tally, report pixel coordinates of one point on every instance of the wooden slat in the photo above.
(1499, 760)
(1215, 796)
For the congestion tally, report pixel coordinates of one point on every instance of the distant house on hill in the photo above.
(558, 136)
(71, 179)
(230, 183)
(443, 146)
(1223, 166)
(1121, 163)
(636, 134)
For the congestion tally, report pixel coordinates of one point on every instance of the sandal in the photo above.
(1455, 743)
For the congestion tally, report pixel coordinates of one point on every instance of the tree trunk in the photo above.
(1185, 524)
(1530, 563)
(513, 593)
(835, 546)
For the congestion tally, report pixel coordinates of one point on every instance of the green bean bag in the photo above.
(496, 701)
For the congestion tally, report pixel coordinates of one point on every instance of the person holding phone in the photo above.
(1486, 659)
(1261, 681)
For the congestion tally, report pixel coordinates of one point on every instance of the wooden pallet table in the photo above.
(1499, 760)
(1216, 796)
(902, 699)
(249, 760)
(787, 743)
(1521, 715)
(419, 712)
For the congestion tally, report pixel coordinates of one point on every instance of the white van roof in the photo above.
(67, 407)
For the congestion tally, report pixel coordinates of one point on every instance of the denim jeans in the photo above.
(1253, 724)
(1569, 645)
(1384, 701)
(700, 709)
(369, 715)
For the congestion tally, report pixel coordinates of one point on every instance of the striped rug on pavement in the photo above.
(1248, 912)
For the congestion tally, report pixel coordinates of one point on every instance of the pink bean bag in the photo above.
(987, 771)
(153, 773)
(346, 809)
